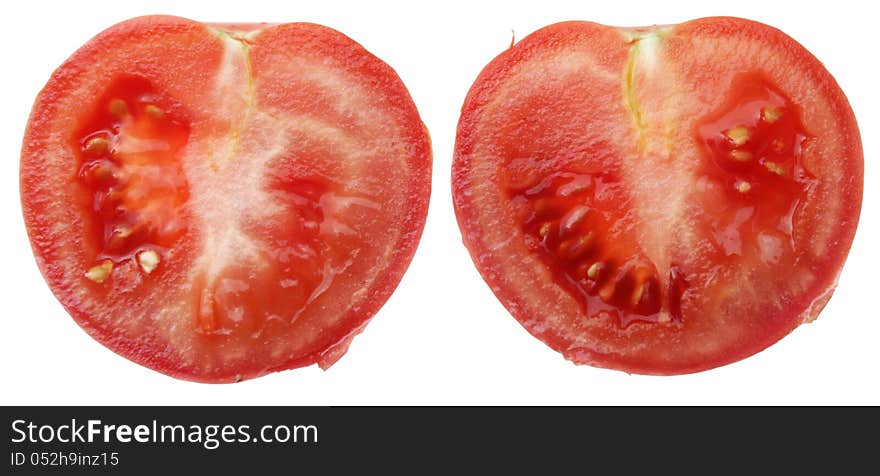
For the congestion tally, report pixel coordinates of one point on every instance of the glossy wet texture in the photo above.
(753, 173)
(570, 224)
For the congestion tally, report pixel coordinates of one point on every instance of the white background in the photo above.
(442, 338)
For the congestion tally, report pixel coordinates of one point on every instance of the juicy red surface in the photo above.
(163, 135)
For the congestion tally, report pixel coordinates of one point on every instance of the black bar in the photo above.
(423, 440)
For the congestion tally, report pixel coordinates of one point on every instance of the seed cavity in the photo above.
(148, 260)
(739, 135)
(118, 237)
(101, 272)
(774, 167)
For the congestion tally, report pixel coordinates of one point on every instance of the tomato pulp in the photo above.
(217, 202)
(658, 200)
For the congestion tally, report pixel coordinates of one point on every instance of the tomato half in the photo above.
(658, 200)
(217, 202)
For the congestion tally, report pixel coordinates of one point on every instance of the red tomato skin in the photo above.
(605, 41)
(41, 210)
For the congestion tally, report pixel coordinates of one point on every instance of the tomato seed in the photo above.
(739, 135)
(101, 272)
(593, 272)
(148, 260)
(136, 192)
(742, 186)
(98, 172)
(118, 108)
(778, 145)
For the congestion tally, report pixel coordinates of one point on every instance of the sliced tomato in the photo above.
(217, 202)
(658, 200)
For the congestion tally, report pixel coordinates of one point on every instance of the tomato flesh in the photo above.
(569, 213)
(217, 202)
